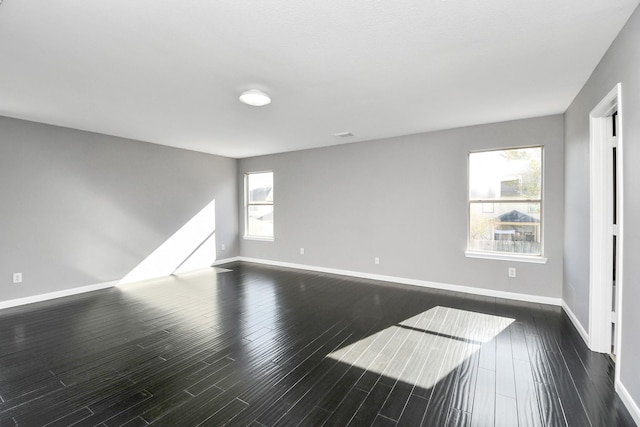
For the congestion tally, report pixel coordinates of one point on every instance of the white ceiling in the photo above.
(170, 71)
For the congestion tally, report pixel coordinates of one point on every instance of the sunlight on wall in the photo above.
(413, 351)
(193, 246)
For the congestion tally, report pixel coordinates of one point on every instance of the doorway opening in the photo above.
(606, 225)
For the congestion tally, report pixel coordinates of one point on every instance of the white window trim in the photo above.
(506, 256)
(246, 210)
(258, 238)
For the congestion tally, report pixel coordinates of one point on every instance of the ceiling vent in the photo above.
(343, 135)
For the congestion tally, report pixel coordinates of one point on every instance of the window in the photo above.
(505, 202)
(259, 205)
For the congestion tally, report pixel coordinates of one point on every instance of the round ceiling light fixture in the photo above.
(255, 98)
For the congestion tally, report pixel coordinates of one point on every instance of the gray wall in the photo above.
(80, 208)
(620, 64)
(404, 200)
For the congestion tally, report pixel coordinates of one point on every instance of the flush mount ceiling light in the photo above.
(255, 97)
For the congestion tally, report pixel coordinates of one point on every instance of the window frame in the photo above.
(248, 204)
(507, 256)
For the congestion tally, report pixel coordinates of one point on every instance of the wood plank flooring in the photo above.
(265, 346)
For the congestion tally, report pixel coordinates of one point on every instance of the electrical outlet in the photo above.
(376, 260)
(17, 277)
(301, 251)
(512, 272)
(223, 247)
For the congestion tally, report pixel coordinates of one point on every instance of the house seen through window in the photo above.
(259, 205)
(505, 201)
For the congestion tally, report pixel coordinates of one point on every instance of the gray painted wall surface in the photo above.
(404, 200)
(620, 64)
(80, 208)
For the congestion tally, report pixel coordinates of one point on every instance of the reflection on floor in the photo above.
(266, 346)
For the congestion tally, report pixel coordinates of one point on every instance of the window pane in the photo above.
(260, 221)
(260, 187)
(508, 227)
(506, 174)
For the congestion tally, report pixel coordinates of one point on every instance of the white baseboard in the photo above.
(225, 260)
(413, 282)
(406, 281)
(80, 290)
(576, 323)
(628, 402)
(59, 294)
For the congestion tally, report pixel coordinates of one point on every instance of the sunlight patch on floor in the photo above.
(413, 351)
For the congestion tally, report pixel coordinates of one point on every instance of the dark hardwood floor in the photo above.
(266, 346)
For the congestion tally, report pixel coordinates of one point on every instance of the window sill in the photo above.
(535, 259)
(258, 238)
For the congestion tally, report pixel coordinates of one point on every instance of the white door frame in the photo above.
(601, 227)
